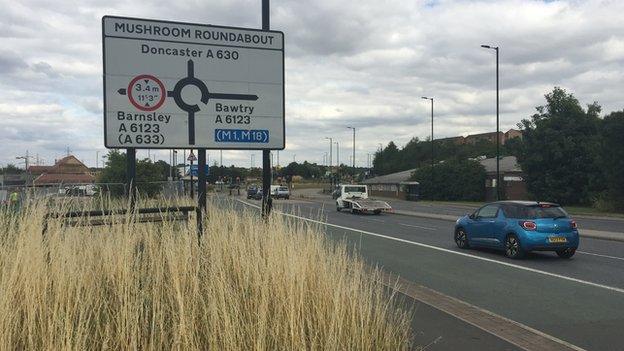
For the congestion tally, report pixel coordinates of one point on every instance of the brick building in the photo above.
(68, 170)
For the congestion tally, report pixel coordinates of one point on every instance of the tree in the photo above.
(149, 175)
(11, 169)
(558, 154)
(612, 159)
(454, 180)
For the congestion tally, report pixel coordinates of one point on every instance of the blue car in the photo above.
(518, 227)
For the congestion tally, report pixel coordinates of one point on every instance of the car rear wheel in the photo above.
(461, 239)
(566, 253)
(512, 247)
(338, 208)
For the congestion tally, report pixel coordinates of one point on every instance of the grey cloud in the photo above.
(10, 62)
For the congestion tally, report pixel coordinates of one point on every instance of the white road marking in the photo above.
(507, 264)
(417, 226)
(599, 255)
(375, 220)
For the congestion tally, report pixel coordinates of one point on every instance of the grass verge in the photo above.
(249, 285)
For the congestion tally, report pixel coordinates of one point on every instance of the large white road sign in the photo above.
(183, 85)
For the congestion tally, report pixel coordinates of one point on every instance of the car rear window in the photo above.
(355, 189)
(534, 212)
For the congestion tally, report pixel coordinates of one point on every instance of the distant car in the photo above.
(257, 195)
(251, 191)
(517, 227)
(280, 192)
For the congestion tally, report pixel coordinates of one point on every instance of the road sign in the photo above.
(183, 85)
(191, 157)
(194, 170)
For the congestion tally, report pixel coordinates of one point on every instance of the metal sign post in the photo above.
(201, 192)
(131, 176)
(191, 159)
(267, 202)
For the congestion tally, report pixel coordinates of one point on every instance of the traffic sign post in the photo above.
(191, 158)
(201, 193)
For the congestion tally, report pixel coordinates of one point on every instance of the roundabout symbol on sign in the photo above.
(146, 92)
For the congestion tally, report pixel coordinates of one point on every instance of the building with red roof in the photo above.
(68, 170)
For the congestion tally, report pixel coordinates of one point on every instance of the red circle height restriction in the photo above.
(146, 92)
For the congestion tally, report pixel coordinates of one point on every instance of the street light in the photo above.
(495, 48)
(331, 144)
(337, 153)
(432, 155)
(353, 160)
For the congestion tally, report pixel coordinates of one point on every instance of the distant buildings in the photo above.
(68, 170)
(489, 137)
(399, 186)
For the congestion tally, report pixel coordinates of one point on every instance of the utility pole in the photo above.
(337, 154)
(498, 193)
(432, 154)
(331, 146)
(26, 159)
(353, 156)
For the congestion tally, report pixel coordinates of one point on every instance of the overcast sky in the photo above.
(361, 63)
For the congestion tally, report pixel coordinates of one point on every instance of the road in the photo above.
(580, 301)
(603, 224)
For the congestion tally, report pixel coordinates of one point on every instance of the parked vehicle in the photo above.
(258, 194)
(280, 192)
(518, 227)
(251, 191)
(355, 198)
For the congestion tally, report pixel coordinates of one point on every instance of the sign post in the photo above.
(267, 202)
(174, 85)
(131, 176)
(191, 159)
(201, 192)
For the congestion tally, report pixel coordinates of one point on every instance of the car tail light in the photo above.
(528, 225)
(573, 224)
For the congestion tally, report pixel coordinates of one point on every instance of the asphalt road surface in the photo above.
(580, 301)
(603, 224)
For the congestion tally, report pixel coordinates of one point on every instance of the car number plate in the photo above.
(557, 239)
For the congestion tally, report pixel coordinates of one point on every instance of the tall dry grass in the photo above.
(250, 285)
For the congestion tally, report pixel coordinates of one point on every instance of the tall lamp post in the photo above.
(331, 145)
(495, 48)
(432, 155)
(331, 174)
(353, 159)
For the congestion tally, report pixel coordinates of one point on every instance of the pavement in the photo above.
(576, 303)
(607, 228)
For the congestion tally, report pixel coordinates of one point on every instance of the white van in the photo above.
(280, 192)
